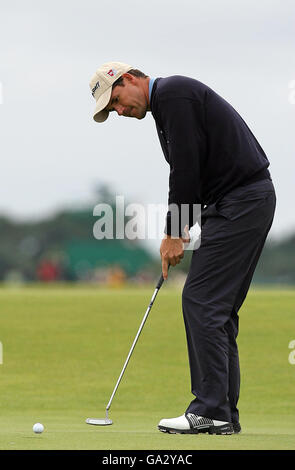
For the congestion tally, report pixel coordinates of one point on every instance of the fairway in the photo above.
(64, 348)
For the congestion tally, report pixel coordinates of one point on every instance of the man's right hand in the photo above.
(172, 251)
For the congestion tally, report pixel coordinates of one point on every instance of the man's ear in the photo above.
(128, 77)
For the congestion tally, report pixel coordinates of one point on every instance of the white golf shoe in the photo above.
(190, 423)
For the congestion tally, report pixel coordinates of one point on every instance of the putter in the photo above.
(106, 421)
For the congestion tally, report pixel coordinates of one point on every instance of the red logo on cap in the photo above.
(111, 72)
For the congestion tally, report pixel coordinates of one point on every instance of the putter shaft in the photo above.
(160, 282)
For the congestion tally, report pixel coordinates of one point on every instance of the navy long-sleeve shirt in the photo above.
(209, 147)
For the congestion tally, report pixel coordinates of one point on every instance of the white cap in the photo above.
(101, 86)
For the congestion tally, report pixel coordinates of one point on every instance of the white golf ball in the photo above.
(38, 428)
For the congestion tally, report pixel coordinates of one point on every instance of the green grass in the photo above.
(64, 347)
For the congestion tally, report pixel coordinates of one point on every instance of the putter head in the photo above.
(99, 421)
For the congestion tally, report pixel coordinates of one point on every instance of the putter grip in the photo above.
(161, 280)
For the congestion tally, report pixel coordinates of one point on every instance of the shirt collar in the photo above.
(151, 84)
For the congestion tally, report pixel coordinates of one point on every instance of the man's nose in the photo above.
(120, 110)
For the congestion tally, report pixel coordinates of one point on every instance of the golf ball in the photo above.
(38, 428)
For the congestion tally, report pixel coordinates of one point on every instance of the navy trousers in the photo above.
(233, 234)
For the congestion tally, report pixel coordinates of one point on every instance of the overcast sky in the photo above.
(53, 153)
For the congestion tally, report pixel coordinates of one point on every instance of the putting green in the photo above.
(64, 347)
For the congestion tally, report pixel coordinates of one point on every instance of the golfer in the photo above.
(215, 162)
